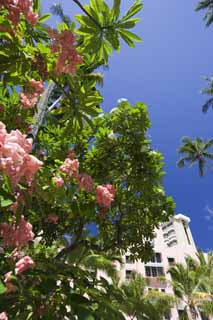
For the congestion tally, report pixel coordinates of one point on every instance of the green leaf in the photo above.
(126, 39)
(2, 288)
(129, 24)
(131, 35)
(135, 8)
(112, 37)
(116, 9)
(5, 202)
(36, 5)
(44, 17)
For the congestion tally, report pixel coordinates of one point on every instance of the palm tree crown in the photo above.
(208, 91)
(195, 151)
(206, 5)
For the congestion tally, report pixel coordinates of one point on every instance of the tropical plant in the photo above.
(57, 9)
(209, 91)
(140, 304)
(185, 288)
(195, 151)
(203, 266)
(77, 186)
(192, 284)
(208, 6)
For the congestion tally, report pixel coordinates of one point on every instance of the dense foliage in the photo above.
(193, 284)
(77, 186)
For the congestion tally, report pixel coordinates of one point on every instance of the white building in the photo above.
(172, 244)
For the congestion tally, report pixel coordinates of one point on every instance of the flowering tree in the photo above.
(77, 186)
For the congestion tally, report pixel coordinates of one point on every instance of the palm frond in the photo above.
(206, 5)
(57, 10)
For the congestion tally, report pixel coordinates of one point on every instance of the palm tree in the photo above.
(195, 151)
(185, 286)
(204, 270)
(193, 284)
(57, 10)
(206, 5)
(209, 92)
(142, 305)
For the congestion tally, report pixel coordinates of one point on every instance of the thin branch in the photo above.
(87, 13)
(55, 103)
(42, 108)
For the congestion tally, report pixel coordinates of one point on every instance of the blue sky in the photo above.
(165, 72)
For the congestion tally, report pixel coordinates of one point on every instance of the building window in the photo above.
(154, 271)
(165, 226)
(172, 243)
(156, 258)
(128, 259)
(171, 261)
(128, 274)
(162, 290)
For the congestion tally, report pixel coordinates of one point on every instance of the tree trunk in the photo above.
(189, 313)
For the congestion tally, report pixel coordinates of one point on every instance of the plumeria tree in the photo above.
(77, 186)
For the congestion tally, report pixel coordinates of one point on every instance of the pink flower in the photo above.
(15, 160)
(3, 316)
(32, 166)
(32, 17)
(105, 195)
(3, 133)
(63, 44)
(85, 182)
(7, 280)
(17, 7)
(70, 167)
(24, 264)
(111, 189)
(31, 94)
(52, 218)
(58, 181)
(16, 235)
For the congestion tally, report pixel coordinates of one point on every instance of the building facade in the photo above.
(172, 244)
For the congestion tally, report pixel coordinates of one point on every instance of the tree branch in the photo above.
(87, 13)
(42, 108)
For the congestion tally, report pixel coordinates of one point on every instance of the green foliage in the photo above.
(196, 151)
(193, 283)
(141, 305)
(113, 148)
(206, 5)
(208, 91)
(101, 35)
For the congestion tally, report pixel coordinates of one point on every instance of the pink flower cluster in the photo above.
(18, 7)
(85, 182)
(3, 316)
(7, 280)
(23, 264)
(63, 44)
(16, 235)
(70, 167)
(52, 218)
(15, 160)
(31, 94)
(58, 181)
(105, 195)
